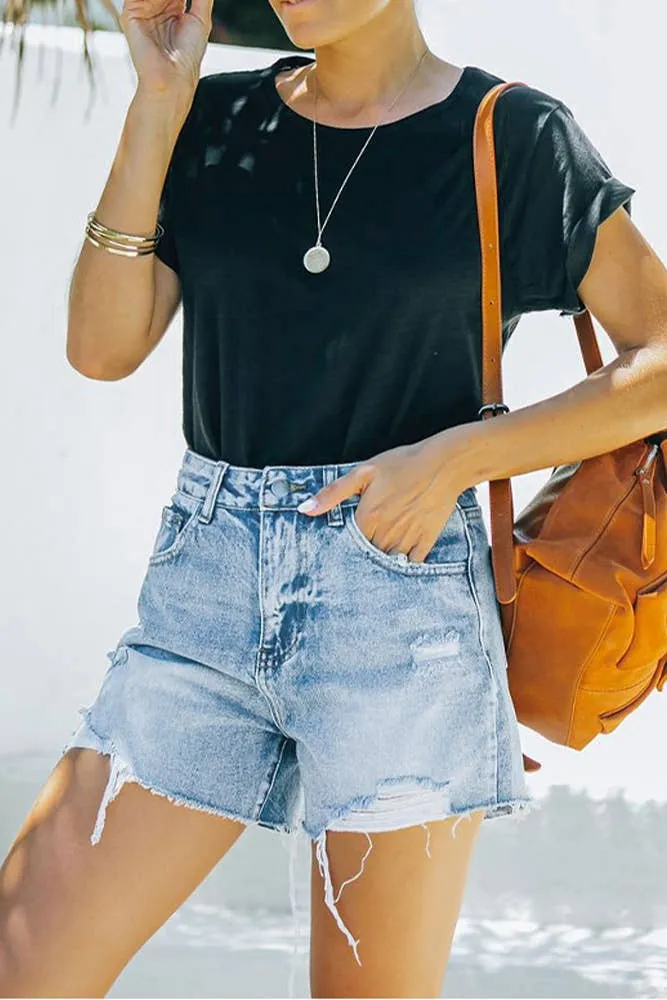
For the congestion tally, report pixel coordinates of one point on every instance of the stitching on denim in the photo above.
(259, 808)
(260, 601)
(243, 505)
(275, 714)
(179, 541)
(495, 683)
(259, 684)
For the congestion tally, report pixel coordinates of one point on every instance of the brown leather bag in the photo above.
(581, 575)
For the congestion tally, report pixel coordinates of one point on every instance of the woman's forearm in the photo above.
(621, 402)
(111, 297)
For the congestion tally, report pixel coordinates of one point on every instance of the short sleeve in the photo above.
(166, 245)
(562, 194)
(175, 191)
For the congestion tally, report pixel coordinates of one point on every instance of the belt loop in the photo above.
(335, 514)
(206, 513)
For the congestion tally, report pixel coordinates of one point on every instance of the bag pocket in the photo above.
(650, 632)
(612, 718)
(641, 668)
(177, 521)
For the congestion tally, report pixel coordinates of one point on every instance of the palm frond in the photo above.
(240, 22)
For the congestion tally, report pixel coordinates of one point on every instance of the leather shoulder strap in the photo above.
(486, 187)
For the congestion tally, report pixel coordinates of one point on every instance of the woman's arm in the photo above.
(625, 288)
(112, 298)
(408, 493)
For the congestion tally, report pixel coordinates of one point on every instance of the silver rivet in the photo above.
(279, 488)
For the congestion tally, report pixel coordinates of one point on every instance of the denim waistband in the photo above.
(273, 487)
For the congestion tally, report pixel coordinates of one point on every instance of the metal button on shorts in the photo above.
(280, 488)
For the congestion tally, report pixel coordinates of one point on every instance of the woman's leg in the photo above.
(402, 909)
(73, 914)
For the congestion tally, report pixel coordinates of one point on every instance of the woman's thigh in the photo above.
(402, 909)
(73, 914)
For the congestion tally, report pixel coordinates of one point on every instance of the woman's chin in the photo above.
(309, 31)
(303, 39)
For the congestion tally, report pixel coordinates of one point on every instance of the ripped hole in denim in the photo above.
(397, 803)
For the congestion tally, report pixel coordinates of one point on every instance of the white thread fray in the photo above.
(120, 773)
(329, 899)
(428, 838)
(292, 848)
(396, 804)
(434, 647)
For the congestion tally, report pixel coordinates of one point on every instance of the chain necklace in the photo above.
(317, 258)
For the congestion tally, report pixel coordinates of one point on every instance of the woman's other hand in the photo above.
(166, 44)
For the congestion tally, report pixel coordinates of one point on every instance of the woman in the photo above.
(337, 667)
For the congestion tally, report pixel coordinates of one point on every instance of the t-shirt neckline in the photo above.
(291, 61)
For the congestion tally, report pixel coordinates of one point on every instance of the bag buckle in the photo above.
(493, 407)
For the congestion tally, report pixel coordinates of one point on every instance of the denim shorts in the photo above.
(286, 671)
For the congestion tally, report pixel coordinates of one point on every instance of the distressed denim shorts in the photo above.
(288, 672)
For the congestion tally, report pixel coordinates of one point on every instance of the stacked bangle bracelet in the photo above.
(121, 243)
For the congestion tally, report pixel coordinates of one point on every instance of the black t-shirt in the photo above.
(281, 366)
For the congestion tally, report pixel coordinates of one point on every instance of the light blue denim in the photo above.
(286, 671)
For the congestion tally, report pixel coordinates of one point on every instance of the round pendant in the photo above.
(316, 259)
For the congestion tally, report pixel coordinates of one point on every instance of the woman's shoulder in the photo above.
(521, 111)
(228, 86)
(217, 100)
(534, 125)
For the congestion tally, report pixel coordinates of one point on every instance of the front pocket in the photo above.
(448, 554)
(176, 522)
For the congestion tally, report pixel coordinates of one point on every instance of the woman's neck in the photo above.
(359, 77)
(362, 73)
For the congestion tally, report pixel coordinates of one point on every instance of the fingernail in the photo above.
(307, 505)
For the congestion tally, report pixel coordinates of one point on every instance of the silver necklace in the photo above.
(318, 258)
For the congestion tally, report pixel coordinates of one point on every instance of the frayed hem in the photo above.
(329, 898)
(121, 773)
(518, 807)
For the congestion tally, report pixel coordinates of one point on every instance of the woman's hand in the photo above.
(408, 495)
(166, 44)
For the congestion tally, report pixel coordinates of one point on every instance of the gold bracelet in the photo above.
(123, 252)
(115, 241)
(115, 233)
